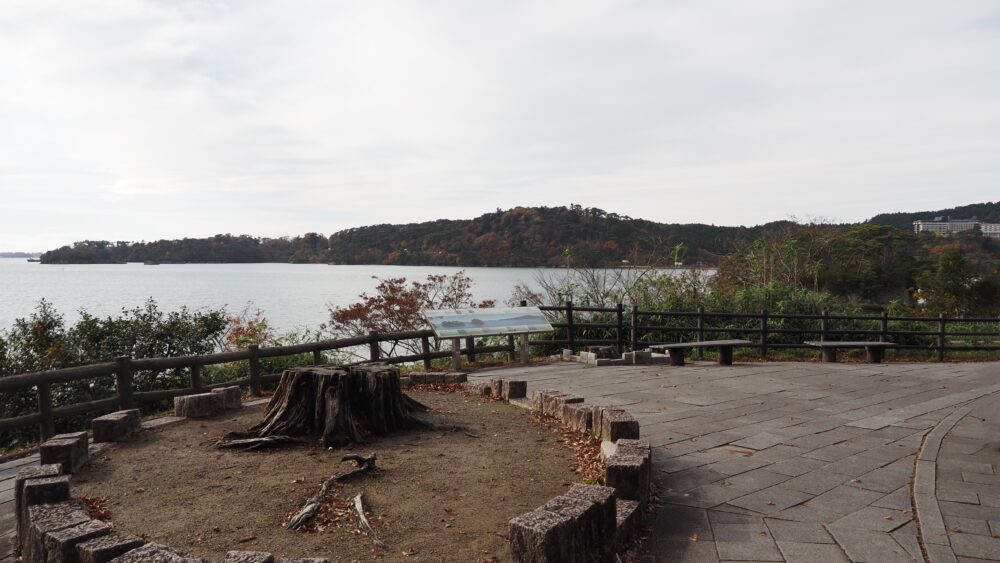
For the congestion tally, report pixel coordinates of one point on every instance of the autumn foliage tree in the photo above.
(396, 304)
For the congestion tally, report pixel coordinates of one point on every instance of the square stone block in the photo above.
(577, 416)
(68, 450)
(117, 426)
(515, 389)
(24, 475)
(60, 545)
(232, 397)
(635, 447)
(588, 528)
(540, 536)
(45, 518)
(105, 548)
(603, 526)
(455, 377)
(629, 520)
(156, 553)
(567, 355)
(477, 388)
(496, 388)
(618, 424)
(248, 557)
(538, 399)
(39, 491)
(554, 403)
(600, 413)
(602, 352)
(629, 474)
(201, 405)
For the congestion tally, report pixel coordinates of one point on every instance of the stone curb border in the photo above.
(588, 522)
(52, 527)
(931, 528)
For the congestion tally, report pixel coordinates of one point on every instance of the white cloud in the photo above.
(142, 119)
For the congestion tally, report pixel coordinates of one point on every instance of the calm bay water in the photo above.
(290, 295)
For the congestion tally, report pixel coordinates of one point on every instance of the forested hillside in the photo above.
(539, 236)
(986, 212)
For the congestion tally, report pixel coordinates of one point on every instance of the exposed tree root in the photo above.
(312, 506)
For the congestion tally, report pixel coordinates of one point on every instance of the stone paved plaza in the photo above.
(810, 462)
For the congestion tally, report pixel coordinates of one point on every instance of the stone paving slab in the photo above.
(808, 461)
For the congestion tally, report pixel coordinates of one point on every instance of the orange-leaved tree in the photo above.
(395, 307)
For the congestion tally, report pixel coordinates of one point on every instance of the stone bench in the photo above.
(874, 350)
(677, 351)
(232, 397)
(117, 426)
(70, 451)
(201, 405)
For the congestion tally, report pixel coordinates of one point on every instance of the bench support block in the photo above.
(677, 356)
(725, 355)
(829, 354)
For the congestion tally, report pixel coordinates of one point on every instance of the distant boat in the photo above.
(34, 259)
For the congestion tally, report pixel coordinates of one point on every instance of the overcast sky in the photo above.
(133, 119)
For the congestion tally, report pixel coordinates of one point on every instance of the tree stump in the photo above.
(340, 405)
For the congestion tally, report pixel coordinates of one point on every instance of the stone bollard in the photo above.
(156, 553)
(232, 397)
(45, 518)
(198, 406)
(60, 545)
(106, 548)
(248, 557)
(117, 426)
(553, 403)
(68, 450)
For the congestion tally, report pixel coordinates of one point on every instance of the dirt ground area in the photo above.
(442, 495)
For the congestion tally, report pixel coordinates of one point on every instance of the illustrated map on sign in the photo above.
(454, 323)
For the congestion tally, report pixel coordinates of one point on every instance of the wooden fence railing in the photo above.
(612, 326)
(641, 329)
(124, 367)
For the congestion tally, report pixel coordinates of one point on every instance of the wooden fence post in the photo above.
(525, 349)
(254, 350)
(123, 375)
(196, 377)
(317, 357)
(374, 350)
(763, 335)
(824, 324)
(569, 328)
(425, 349)
(635, 328)
(940, 339)
(620, 328)
(470, 349)
(48, 424)
(510, 348)
(700, 325)
(884, 326)
(456, 353)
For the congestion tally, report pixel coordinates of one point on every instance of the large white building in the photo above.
(946, 225)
